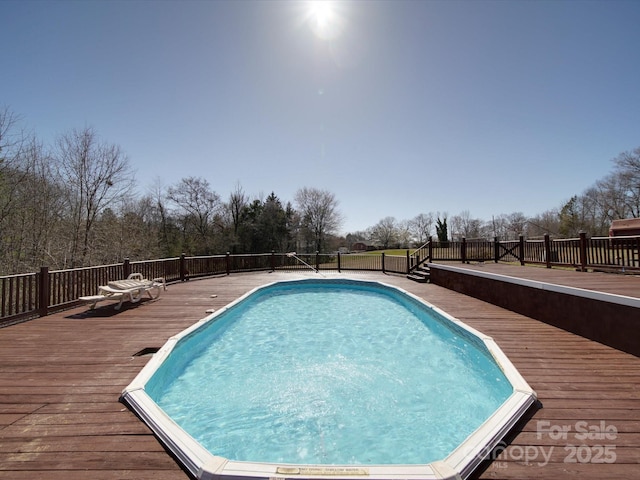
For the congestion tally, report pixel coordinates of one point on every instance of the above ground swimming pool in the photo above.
(330, 378)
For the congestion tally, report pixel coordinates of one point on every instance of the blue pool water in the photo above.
(330, 373)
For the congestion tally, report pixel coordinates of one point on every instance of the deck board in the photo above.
(61, 377)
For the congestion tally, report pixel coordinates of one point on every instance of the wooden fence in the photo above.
(33, 295)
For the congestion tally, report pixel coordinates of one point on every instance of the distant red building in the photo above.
(625, 227)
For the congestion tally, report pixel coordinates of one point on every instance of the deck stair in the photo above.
(421, 274)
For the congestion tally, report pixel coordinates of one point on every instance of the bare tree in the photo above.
(238, 200)
(12, 171)
(615, 196)
(40, 211)
(404, 234)
(421, 227)
(499, 227)
(197, 206)
(166, 226)
(131, 229)
(516, 225)
(611, 194)
(319, 214)
(464, 225)
(30, 201)
(27, 226)
(628, 171)
(545, 223)
(385, 232)
(596, 206)
(95, 175)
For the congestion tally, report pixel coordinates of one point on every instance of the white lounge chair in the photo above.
(131, 289)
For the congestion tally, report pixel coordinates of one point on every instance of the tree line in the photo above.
(615, 196)
(75, 204)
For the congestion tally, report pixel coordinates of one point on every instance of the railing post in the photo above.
(383, 262)
(521, 248)
(583, 252)
(547, 250)
(338, 262)
(183, 267)
(317, 261)
(430, 249)
(43, 290)
(463, 250)
(408, 262)
(228, 263)
(496, 250)
(273, 260)
(126, 268)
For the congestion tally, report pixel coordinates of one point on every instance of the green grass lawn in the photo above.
(391, 251)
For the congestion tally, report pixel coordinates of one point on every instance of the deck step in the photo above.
(417, 278)
(420, 274)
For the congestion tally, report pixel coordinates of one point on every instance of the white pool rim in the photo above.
(204, 465)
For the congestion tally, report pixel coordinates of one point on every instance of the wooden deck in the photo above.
(61, 377)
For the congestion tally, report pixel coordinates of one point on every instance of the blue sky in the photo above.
(397, 107)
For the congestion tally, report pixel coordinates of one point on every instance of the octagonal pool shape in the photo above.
(329, 379)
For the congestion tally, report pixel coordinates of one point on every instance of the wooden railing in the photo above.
(598, 253)
(33, 295)
(420, 255)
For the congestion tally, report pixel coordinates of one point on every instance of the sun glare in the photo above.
(321, 13)
(324, 19)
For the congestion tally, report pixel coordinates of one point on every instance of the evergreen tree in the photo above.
(442, 229)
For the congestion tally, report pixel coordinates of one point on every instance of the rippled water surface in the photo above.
(331, 374)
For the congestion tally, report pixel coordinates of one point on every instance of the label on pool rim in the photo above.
(342, 471)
